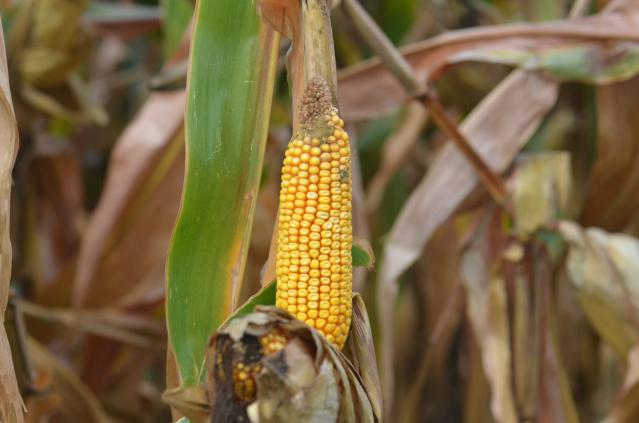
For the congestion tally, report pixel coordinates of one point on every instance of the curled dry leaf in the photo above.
(368, 90)
(11, 406)
(603, 269)
(270, 367)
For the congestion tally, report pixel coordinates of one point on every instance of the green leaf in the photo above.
(230, 89)
(265, 296)
(362, 255)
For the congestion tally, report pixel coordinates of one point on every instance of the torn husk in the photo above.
(270, 367)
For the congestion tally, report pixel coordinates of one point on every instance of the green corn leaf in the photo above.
(362, 255)
(230, 88)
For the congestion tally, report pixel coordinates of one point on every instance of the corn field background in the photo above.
(495, 188)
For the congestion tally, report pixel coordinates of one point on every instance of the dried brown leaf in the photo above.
(526, 98)
(141, 160)
(368, 90)
(487, 309)
(120, 264)
(54, 218)
(612, 198)
(441, 293)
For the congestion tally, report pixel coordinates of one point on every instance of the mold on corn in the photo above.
(245, 372)
(313, 265)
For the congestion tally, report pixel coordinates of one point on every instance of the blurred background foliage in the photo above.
(501, 314)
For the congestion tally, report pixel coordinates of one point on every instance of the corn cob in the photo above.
(313, 265)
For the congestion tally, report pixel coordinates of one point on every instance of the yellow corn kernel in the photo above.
(273, 342)
(244, 379)
(324, 203)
